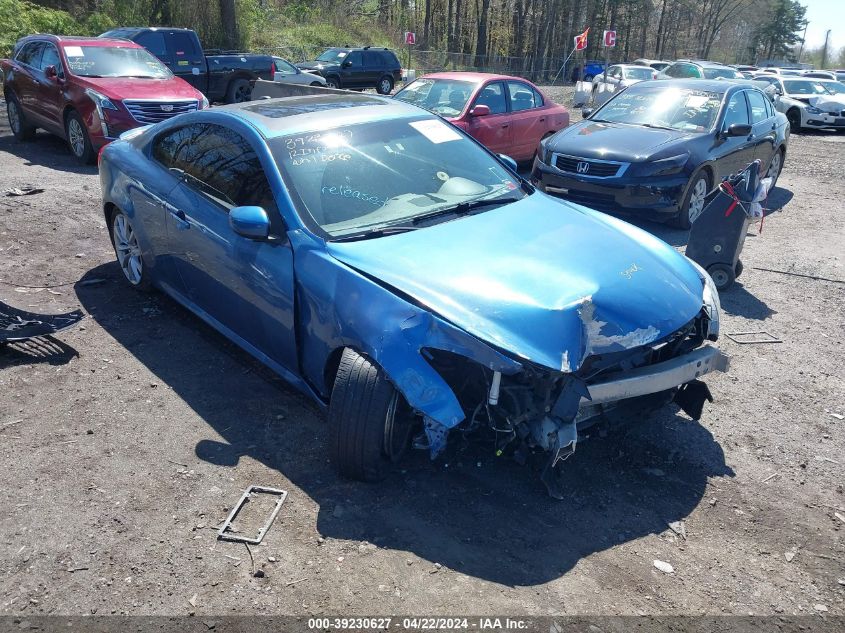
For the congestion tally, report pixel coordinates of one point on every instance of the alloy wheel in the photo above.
(774, 166)
(76, 137)
(696, 201)
(385, 87)
(128, 250)
(242, 94)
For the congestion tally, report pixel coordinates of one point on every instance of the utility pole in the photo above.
(824, 51)
(803, 40)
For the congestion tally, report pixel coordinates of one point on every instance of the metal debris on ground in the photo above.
(19, 325)
(752, 338)
(794, 274)
(22, 191)
(679, 528)
(224, 533)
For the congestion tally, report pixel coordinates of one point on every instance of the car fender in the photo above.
(339, 307)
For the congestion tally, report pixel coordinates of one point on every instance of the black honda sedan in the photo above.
(657, 148)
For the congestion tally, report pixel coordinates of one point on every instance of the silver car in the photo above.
(620, 76)
(287, 73)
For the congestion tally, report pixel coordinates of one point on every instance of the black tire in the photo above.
(723, 275)
(316, 84)
(738, 269)
(385, 85)
(779, 156)
(333, 82)
(21, 128)
(78, 140)
(682, 220)
(239, 91)
(142, 283)
(362, 402)
(794, 118)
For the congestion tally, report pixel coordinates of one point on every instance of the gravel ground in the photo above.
(126, 440)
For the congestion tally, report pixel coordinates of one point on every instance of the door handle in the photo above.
(505, 124)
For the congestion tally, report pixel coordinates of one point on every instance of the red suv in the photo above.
(89, 90)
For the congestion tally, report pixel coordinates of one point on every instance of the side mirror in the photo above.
(480, 110)
(250, 222)
(346, 64)
(51, 73)
(739, 129)
(586, 112)
(509, 162)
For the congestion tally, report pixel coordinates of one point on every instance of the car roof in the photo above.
(306, 113)
(80, 41)
(474, 77)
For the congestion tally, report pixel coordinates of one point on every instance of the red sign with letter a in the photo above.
(410, 38)
(610, 39)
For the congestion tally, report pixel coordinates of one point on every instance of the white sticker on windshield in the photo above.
(435, 131)
(74, 51)
(696, 101)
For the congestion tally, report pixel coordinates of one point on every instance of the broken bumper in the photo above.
(658, 377)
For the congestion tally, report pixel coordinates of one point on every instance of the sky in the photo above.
(824, 15)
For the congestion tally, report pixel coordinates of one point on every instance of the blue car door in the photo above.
(244, 287)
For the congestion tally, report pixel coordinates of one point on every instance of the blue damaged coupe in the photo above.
(408, 280)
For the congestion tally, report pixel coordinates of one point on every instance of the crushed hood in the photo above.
(834, 104)
(614, 141)
(541, 279)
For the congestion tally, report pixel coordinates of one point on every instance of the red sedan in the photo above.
(506, 114)
(89, 90)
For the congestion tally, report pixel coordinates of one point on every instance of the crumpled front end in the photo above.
(539, 409)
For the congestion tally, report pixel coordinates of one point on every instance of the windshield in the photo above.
(724, 73)
(112, 61)
(834, 87)
(682, 109)
(446, 97)
(639, 73)
(368, 177)
(803, 87)
(332, 55)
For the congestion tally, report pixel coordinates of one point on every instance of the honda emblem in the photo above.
(582, 167)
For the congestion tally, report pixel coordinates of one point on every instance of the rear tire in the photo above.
(316, 84)
(775, 167)
(21, 128)
(333, 82)
(364, 408)
(239, 91)
(78, 140)
(385, 85)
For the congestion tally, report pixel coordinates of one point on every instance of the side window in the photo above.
(674, 70)
(736, 112)
(284, 67)
(182, 46)
(226, 168)
(50, 57)
(154, 42)
(522, 96)
(355, 60)
(175, 149)
(538, 99)
(30, 54)
(758, 106)
(493, 96)
(372, 59)
(770, 109)
(390, 60)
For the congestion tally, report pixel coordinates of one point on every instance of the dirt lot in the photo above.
(125, 441)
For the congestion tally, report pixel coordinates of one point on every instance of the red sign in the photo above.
(581, 41)
(610, 39)
(410, 38)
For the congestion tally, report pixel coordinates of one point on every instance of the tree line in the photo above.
(538, 33)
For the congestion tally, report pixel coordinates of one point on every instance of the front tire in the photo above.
(78, 140)
(365, 413)
(385, 85)
(693, 204)
(794, 118)
(21, 128)
(127, 250)
(333, 82)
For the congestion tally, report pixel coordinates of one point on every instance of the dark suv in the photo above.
(366, 67)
